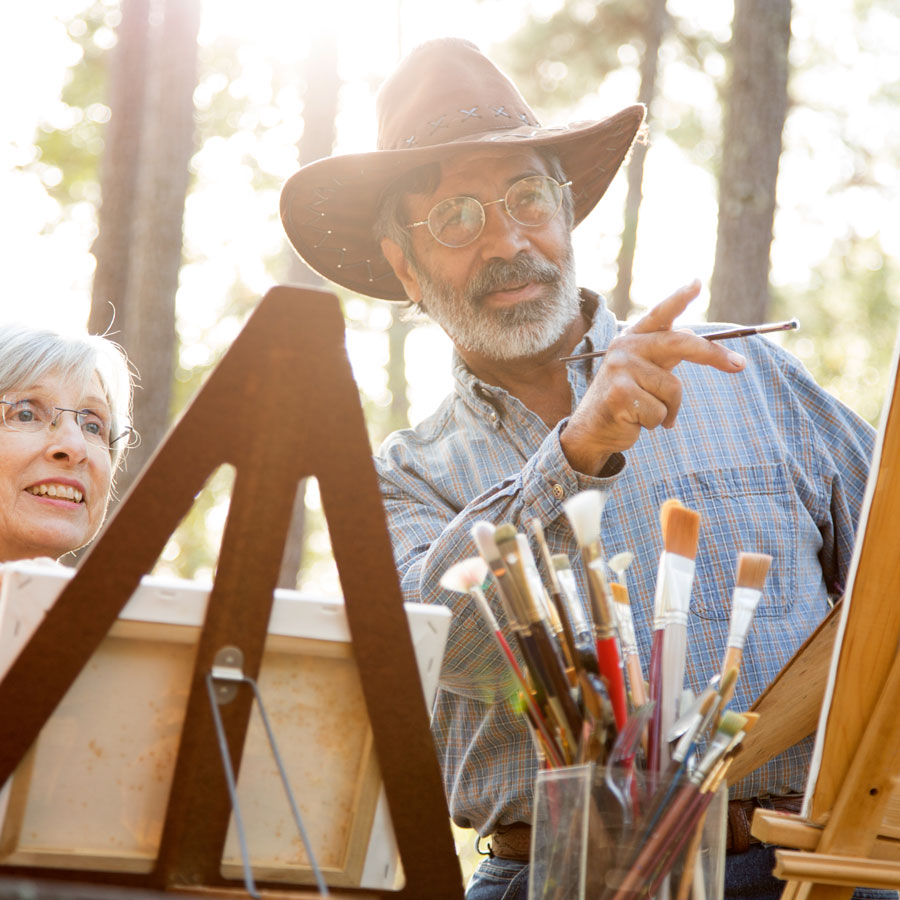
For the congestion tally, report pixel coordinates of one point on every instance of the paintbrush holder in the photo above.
(587, 844)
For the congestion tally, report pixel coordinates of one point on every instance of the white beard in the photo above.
(515, 332)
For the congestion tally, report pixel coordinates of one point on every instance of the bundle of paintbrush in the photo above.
(663, 753)
(567, 658)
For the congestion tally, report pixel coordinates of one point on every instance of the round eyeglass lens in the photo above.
(534, 200)
(457, 221)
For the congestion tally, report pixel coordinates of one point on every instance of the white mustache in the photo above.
(498, 275)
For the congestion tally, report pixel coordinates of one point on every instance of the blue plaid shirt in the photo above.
(772, 462)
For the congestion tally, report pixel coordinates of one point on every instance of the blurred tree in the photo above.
(754, 121)
(160, 185)
(582, 43)
(653, 29)
(122, 144)
(848, 311)
(322, 85)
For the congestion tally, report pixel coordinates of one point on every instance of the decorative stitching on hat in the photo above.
(501, 111)
(438, 123)
(470, 114)
(324, 234)
(410, 140)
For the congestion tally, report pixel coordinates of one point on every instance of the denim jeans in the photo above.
(748, 876)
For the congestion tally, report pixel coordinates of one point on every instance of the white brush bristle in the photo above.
(584, 511)
(483, 535)
(621, 561)
(465, 575)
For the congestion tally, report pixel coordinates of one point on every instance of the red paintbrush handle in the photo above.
(653, 731)
(610, 666)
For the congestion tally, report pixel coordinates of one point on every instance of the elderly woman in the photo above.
(64, 424)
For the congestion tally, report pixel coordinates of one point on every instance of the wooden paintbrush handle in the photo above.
(636, 680)
(732, 660)
(653, 732)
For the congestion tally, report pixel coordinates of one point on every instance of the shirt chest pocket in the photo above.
(752, 509)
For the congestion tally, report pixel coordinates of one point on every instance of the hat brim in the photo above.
(328, 208)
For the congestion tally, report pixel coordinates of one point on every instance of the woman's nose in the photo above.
(65, 437)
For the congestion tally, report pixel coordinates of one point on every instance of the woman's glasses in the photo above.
(33, 415)
(458, 221)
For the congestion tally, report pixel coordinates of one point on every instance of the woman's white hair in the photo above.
(28, 354)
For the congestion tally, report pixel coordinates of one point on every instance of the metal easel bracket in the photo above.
(222, 682)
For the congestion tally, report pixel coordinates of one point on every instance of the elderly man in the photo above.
(466, 210)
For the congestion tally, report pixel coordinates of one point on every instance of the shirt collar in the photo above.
(600, 332)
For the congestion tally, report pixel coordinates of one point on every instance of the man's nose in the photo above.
(502, 236)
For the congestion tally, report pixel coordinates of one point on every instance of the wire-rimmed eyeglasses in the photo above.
(457, 221)
(30, 414)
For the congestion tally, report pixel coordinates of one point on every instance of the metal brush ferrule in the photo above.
(598, 590)
(744, 601)
(673, 589)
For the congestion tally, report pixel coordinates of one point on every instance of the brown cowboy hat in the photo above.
(445, 96)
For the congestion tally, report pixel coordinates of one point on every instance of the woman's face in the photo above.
(54, 484)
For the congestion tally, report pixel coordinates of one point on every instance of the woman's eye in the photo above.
(92, 424)
(24, 411)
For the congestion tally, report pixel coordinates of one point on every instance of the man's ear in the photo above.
(394, 254)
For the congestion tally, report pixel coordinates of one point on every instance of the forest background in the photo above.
(144, 144)
(147, 140)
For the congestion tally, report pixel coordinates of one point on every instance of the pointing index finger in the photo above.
(662, 316)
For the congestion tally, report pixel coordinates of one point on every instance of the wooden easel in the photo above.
(851, 833)
(280, 406)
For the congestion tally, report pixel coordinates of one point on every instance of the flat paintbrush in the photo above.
(752, 569)
(654, 730)
(584, 511)
(582, 628)
(562, 611)
(680, 537)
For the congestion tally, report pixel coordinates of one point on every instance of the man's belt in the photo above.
(514, 841)
(740, 817)
(511, 841)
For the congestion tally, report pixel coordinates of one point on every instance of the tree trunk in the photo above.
(757, 105)
(319, 115)
(167, 145)
(121, 159)
(654, 29)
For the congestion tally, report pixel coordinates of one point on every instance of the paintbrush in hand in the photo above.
(727, 334)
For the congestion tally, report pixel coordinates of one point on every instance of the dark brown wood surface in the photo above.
(280, 406)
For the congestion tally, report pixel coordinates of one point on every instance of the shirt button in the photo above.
(559, 491)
